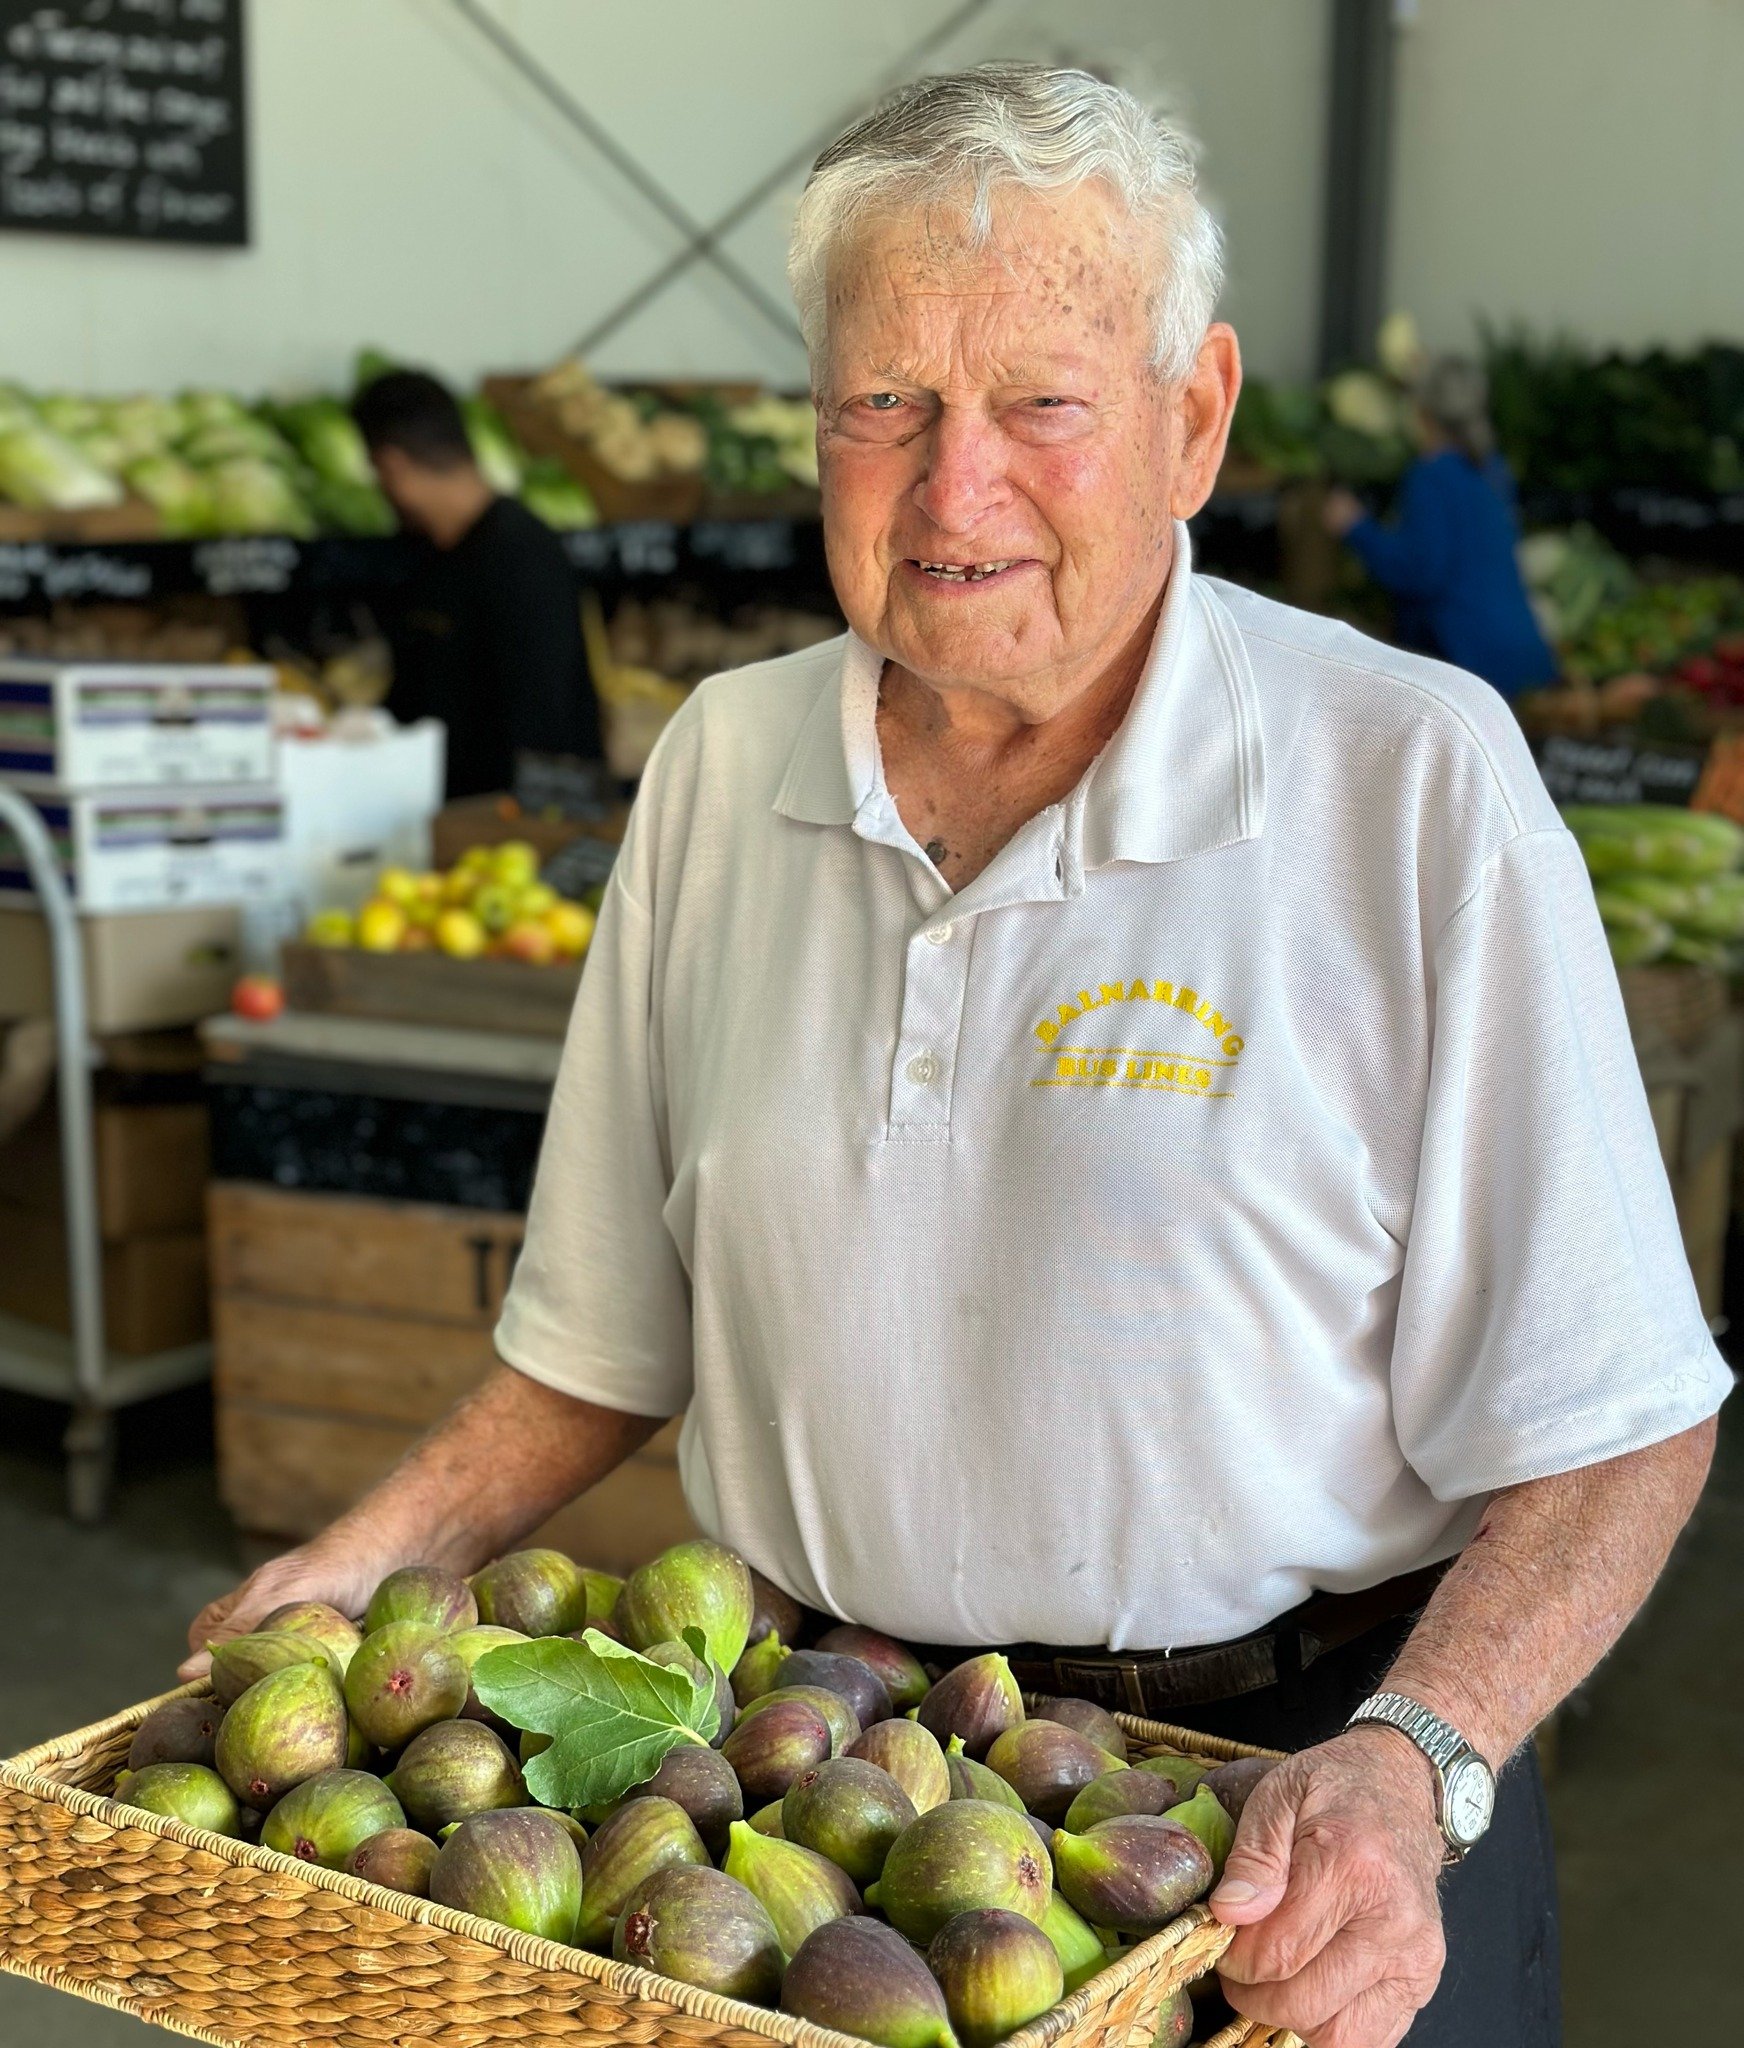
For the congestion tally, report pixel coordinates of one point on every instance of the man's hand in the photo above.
(1340, 510)
(341, 1568)
(1332, 1884)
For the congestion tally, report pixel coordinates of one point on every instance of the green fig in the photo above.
(359, 1754)
(849, 1811)
(1117, 1792)
(323, 1819)
(998, 1972)
(1184, 1772)
(640, 1838)
(570, 1826)
(400, 1859)
(1047, 1765)
(1089, 1719)
(698, 1585)
(754, 1674)
(178, 1732)
(911, 1756)
(701, 1927)
(440, 1599)
(767, 1821)
(1233, 1784)
(961, 1855)
(1207, 1819)
(680, 1658)
(245, 1660)
(516, 1867)
(977, 1700)
(799, 1889)
(452, 1771)
(773, 1612)
(402, 1679)
(469, 1645)
(844, 1723)
(1174, 2020)
(902, 1672)
(602, 1589)
(315, 1618)
(970, 1780)
(773, 1744)
(1133, 1873)
(288, 1726)
(858, 1976)
(194, 1794)
(1075, 1941)
(847, 1677)
(704, 1784)
(538, 1592)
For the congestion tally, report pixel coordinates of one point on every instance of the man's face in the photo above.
(405, 484)
(993, 410)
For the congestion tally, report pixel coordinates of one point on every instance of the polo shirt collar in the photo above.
(1184, 774)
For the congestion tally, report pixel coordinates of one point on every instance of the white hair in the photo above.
(1040, 128)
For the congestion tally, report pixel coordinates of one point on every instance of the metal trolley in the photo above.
(78, 1370)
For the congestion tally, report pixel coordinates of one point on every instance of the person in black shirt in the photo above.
(488, 637)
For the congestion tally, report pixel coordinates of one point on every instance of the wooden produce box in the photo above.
(538, 428)
(343, 1327)
(431, 988)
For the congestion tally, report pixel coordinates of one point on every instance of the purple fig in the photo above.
(1233, 1784)
(538, 1592)
(858, 1976)
(1184, 1772)
(1174, 2020)
(704, 1784)
(978, 1701)
(1089, 1719)
(400, 1859)
(911, 1756)
(849, 1811)
(440, 1599)
(843, 1722)
(469, 1645)
(963, 1854)
(800, 1890)
(245, 1660)
(1076, 1943)
(846, 1677)
(970, 1780)
(702, 1927)
(902, 1672)
(680, 1658)
(773, 1744)
(1117, 1792)
(452, 1771)
(325, 1818)
(288, 1726)
(1207, 1819)
(773, 1613)
(699, 1585)
(403, 1679)
(518, 1868)
(754, 1674)
(1133, 1873)
(641, 1838)
(998, 1972)
(315, 1618)
(1043, 1833)
(1047, 1765)
(194, 1794)
(178, 1732)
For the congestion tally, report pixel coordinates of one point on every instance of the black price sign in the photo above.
(1623, 771)
(124, 118)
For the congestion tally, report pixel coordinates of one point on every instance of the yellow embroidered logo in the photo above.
(1191, 1068)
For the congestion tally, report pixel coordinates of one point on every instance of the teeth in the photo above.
(959, 572)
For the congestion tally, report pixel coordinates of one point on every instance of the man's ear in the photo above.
(1207, 408)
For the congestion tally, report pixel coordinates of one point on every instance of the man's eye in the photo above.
(882, 401)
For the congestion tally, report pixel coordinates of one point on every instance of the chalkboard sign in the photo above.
(1617, 771)
(124, 118)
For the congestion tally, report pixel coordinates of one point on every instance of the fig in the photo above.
(194, 1794)
(315, 1618)
(469, 1645)
(1184, 1772)
(773, 1744)
(1047, 1765)
(1208, 1820)
(860, 1977)
(963, 1854)
(452, 1771)
(1233, 1783)
(1043, 1833)
(538, 1592)
(245, 1660)
(178, 1732)
(641, 1838)
(1174, 2020)
(754, 1674)
(911, 1756)
(1117, 1792)
(773, 1613)
(703, 1783)
(846, 1677)
(602, 1590)
(440, 1599)
(359, 1755)
(679, 1658)
(1133, 1873)
(978, 1701)
(901, 1671)
(849, 1811)
(702, 1927)
(323, 1819)
(1089, 1719)
(403, 1679)
(518, 1868)
(844, 1723)
(799, 1889)
(767, 1821)
(698, 1585)
(288, 1726)
(998, 1971)
(399, 1858)
(570, 1826)
(970, 1780)
(1076, 1942)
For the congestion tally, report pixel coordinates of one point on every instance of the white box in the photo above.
(353, 807)
(144, 849)
(134, 724)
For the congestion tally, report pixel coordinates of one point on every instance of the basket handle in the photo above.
(1253, 2034)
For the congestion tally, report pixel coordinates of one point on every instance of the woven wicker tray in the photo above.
(229, 1943)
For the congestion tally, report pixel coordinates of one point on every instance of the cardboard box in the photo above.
(151, 1158)
(154, 1288)
(354, 807)
(119, 724)
(143, 969)
(152, 850)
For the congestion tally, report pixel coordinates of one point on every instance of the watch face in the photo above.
(1471, 1795)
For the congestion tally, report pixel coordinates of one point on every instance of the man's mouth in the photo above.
(968, 572)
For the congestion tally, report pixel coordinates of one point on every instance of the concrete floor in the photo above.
(1648, 1795)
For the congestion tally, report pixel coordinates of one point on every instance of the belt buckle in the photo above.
(1071, 1671)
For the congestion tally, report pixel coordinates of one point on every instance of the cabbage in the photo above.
(16, 409)
(63, 414)
(209, 409)
(351, 507)
(550, 492)
(180, 493)
(41, 469)
(244, 439)
(251, 496)
(493, 447)
(143, 425)
(326, 437)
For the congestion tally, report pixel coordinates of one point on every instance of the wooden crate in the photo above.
(430, 988)
(343, 1327)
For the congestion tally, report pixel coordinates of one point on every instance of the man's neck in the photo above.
(450, 514)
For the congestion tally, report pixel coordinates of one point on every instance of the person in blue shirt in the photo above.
(1448, 556)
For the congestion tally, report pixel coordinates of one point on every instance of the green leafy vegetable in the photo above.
(612, 1715)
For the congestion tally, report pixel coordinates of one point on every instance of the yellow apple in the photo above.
(535, 900)
(460, 935)
(516, 863)
(330, 928)
(397, 885)
(494, 906)
(571, 928)
(380, 926)
(527, 939)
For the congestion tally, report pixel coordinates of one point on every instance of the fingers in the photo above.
(1331, 1884)
(1377, 2016)
(207, 1626)
(1257, 1872)
(1372, 1956)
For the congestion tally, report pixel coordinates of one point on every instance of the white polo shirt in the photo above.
(1239, 1180)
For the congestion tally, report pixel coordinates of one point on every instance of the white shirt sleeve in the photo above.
(1547, 1318)
(599, 1305)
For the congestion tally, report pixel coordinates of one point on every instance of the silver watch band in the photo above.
(1440, 1742)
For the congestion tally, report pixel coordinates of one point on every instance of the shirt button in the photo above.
(939, 935)
(923, 1070)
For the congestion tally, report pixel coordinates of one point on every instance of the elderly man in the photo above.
(1106, 1101)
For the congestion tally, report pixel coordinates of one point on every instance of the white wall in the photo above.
(1578, 164)
(410, 191)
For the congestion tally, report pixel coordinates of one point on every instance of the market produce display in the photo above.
(652, 1769)
(1611, 624)
(1669, 883)
(489, 905)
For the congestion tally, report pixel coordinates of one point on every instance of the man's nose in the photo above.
(965, 475)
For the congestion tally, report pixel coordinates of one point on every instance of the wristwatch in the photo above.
(1465, 1786)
